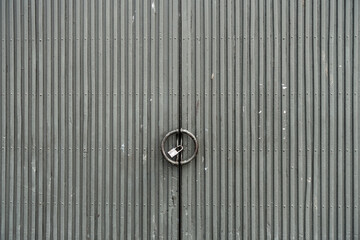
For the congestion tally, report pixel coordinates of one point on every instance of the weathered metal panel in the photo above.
(87, 90)
(271, 90)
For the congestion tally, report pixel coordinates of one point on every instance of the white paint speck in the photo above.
(212, 76)
(133, 18)
(260, 111)
(123, 147)
(206, 168)
(284, 111)
(284, 129)
(150, 99)
(340, 66)
(144, 157)
(33, 166)
(153, 7)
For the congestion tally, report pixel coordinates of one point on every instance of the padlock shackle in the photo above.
(179, 148)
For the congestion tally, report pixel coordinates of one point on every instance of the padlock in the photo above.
(175, 151)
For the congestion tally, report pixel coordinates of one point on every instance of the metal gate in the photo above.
(90, 88)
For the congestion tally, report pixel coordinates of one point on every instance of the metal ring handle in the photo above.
(176, 162)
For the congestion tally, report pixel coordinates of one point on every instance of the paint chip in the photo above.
(153, 7)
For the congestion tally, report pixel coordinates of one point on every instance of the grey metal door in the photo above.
(87, 90)
(271, 90)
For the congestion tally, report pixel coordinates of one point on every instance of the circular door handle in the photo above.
(175, 161)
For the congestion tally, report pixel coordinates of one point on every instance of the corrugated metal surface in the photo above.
(89, 88)
(87, 91)
(271, 89)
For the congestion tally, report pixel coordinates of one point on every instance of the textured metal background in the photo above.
(271, 89)
(89, 88)
(87, 92)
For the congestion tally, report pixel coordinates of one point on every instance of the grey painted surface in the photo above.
(271, 89)
(89, 88)
(87, 91)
